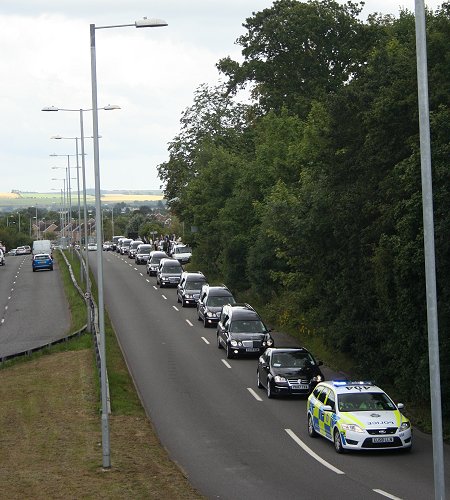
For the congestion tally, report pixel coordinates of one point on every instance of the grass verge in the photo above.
(50, 421)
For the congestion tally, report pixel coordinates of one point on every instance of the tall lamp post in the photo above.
(109, 107)
(142, 23)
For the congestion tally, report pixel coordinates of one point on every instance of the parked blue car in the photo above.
(42, 261)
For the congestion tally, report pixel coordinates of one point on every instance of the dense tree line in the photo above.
(310, 196)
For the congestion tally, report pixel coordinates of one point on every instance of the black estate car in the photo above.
(288, 371)
(188, 290)
(210, 303)
(241, 331)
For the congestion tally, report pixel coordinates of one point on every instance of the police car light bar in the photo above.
(342, 383)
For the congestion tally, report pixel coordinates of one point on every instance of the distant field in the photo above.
(47, 199)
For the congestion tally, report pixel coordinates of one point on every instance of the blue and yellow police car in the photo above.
(357, 415)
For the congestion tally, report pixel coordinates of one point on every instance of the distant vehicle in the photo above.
(125, 246)
(288, 372)
(183, 253)
(133, 248)
(42, 261)
(188, 290)
(42, 246)
(211, 301)
(169, 273)
(107, 245)
(92, 247)
(357, 416)
(241, 331)
(114, 241)
(13, 251)
(153, 261)
(143, 253)
(21, 251)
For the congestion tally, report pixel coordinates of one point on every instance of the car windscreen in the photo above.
(156, 259)
(194, 285)
(170, 268)
(183, 250)
(247, 326)
(219, 300)
(294, 359)
(145, 250)
(367, 401)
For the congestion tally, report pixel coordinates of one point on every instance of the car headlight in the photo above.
(188, 295)
(211, 314)
(279, 378)
(233, 343)
(352, 427)
(269, 342)
(317, 378)
(404, 426)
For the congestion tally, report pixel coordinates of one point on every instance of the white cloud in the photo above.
(152, 74)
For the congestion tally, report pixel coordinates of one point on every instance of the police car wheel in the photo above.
(311, 431)
(337, 442)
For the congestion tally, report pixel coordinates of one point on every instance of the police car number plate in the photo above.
(383, 440)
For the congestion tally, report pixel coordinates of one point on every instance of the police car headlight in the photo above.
(352, 427)
(404, 426)
(279, 378)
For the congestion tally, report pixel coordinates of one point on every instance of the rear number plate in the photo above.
(383, 440)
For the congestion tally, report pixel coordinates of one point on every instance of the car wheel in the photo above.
(270, 394)
(229, 353)
(51, 269)
(337, 442)
(258, 380)
(219, 345)
(205, 323)
(311, 431)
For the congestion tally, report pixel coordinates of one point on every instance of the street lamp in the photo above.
(108, 107)
(142, 23)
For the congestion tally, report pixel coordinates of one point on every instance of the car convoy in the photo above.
(353, 415)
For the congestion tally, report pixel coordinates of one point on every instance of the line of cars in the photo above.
(353, 415)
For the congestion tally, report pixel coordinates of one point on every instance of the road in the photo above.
(231, 440)
(33, 307)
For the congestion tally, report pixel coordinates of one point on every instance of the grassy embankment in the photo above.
(50, 421)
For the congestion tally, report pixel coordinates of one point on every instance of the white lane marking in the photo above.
(253, 393)
(388, 495)
(155, 287)
(131, 265)
(12, 289)
(176, 308)
(164, 297)
(135, 268)
(9, 298)
(3, 320)
(206, 341)
(225, 362)
(141, 274)
(147, 280)
(189, 323)
(311, 453)
(6, 308)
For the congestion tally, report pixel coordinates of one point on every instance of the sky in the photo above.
(150, 73)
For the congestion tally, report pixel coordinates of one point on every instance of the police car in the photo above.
(357, 416)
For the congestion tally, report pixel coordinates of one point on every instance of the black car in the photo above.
(210, 303)
(241, 331)
(153, 261)
(169, 273)
(188, 290)
(142, 253)
(287, 371)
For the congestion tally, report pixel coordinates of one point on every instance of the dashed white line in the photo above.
(3, 320)
(155, 287)
(9, 298)
(147, 280)
(206, 341)
(141, 274)
(388, 495)
(253, 393)
(176, 308)
(225, 362)
(189, 323)
(6, 308)
(135, 268)
(164, 297)
(312, 453)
